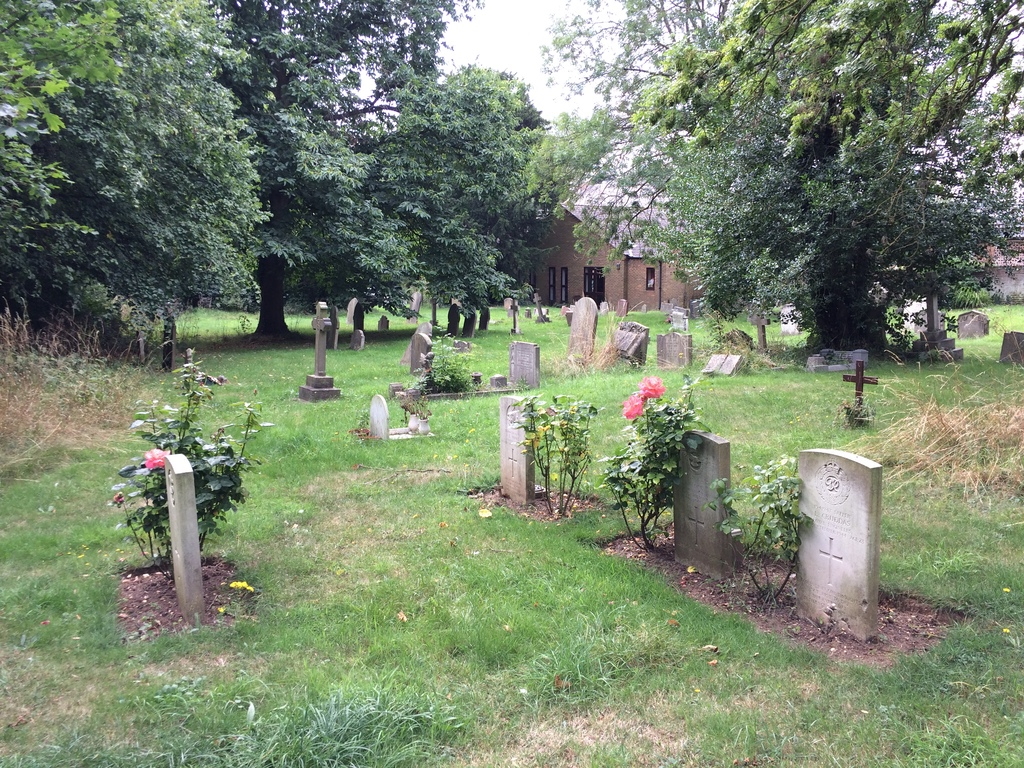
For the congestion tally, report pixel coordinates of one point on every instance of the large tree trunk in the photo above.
(270, 275)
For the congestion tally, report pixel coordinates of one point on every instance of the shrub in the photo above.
(448, 370)
(217, 465)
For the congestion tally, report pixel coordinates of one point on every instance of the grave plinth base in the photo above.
(318, 388)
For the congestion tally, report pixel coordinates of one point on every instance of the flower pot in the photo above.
(424, 427)
(414, 422)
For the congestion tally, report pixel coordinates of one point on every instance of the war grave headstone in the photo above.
(516, 460)
(335, 330)
(184, 525)
(631, 340)
(320, 386)
(934, 338)
(837, 576)
(419, 349)
(584, 329)
(524, 364)
(1012, 350)
(383, 324)
(698, 541)
(675, 350)
(622, 308)
(972, 325)
(358, 341)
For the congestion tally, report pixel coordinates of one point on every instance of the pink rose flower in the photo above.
(633, 406)
(651, 387)
(155, 459)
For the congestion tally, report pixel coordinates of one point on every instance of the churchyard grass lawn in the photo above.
(395, 625)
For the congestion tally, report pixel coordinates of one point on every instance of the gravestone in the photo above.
(837, 577)
(524, 364)
(469, 326)
(622, 308)
(320, 386)
(1013, 348)
(427, 330)
(358, 341)
(383, 324)
(789, 321)
(760, 322)
(516, 459)
(508, 305)
(350, 316)
(631, 340)
(934, 338)
(497, 381)
(485, 319)
(567, 314)
(643, 308)
(184, 525)
(453, 320)
(461, 347)
(913, 317)
(335, 330)
(542, 315)
(680, 319)
(584, 328)
(731, 364)
(714, 364)
(698, 542)
(675, 350)
(419, 348)
(379, 418)
(416, 303)
(604, 308)
(170, 345)
(972, 325)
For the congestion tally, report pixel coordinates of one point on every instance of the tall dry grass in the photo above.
(57, 392)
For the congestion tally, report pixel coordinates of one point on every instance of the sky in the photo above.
(507, 35)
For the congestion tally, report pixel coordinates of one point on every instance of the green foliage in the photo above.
(559, 437)
(643, 477)
(217, 466)
(448, 370)
(768, 522)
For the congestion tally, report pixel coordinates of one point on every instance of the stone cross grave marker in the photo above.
(583, 330)
(859, 380)
(379, 418)
(513, 312)
(698, 542)
(170, 345)
(675, 350)
(419, 347)
(320, 386)
(517, 469)
(335, 330)
(972, 325)
(837, 564)
(358, 340)
(184, 523)
(760, 322)
(524, 364)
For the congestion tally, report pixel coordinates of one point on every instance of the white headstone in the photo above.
(351, 315)
(524, 364)
(583, 330)
(184, 524)
(517, 470)
(379, 417)
(698, 542)
(839, 549)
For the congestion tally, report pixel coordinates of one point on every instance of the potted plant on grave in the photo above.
(415, 405)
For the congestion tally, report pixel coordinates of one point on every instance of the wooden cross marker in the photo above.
(860, 380)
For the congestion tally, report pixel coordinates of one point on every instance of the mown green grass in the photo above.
(395, 626)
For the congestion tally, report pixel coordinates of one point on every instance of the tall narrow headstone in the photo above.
(622, 308)
(453, 320)
(416, 303)
(524, 364)
(184, 524)
(170, 345)
(485, 319)
(837, 579)
(332, 338)
(420, 346)
(379, 417)
(516, 459)
(320, 386)
(584, 328)
(698, 542)
(469, 326)
(350, 316)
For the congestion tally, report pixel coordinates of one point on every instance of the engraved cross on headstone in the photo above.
(859, 379)
(831, 556)
(697, 523)
(322, 325)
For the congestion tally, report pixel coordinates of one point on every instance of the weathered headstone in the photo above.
(675, 350)
(426, 329)
(332, 340)
(643, 308)
(419, 348)
(469, 326)
(485, 319)
(631, 340)
(914, 317)
(934, 338)
(508, 305)
(320, 386)
(497, 381)
(461, 347)
(714, 364)
(680, 320)
(622, 308)
(516, 458)
(350, 316)
(584, 328)
(731, 364)
(524, 364)
(358, 340)
(379, 418)
(184, 525)
(837, 578)
(453, 320)
(698, 542)
(416, 303)
(383, 324)
(972, 325)
(567, 314)
(1013, 348)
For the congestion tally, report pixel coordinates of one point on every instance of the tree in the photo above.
(873, 139)
(317, 89)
